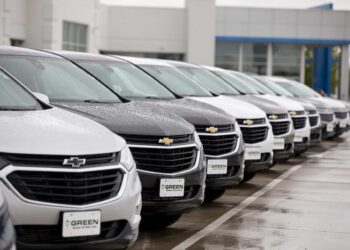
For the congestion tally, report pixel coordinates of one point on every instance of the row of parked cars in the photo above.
(90, 143)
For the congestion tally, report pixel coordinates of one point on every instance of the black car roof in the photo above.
(85, 56)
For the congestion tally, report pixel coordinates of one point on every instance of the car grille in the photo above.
(280, 128)
(327, 117)
(221, 128)
(43, 234)
(341, 115)
(152, 194)
(154, 139)
(254, 134)
(57, 160)
(164, 160)
(299, 122)
(67, 188)
(313, 120)
(219, 145)
(255, 121)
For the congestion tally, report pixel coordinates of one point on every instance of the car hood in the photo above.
(54, 132)
(236, 108)
(196, 113)
(288, 104)
(335, 105)
(132, 118)
(269, 107)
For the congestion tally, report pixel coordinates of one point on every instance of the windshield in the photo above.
(126, 79)
(57, 78)
(209, 80)
(14, 97)
(176, 81)
(298, 89)
(236, 83)
(251, 82)
(273, 86)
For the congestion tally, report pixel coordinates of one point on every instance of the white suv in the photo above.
(67, 179)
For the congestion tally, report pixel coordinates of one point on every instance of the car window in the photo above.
(251, 82)
(236, 83)
(14, 97)
(57, 78)
(298, 89)
(209, 80)
(273, 86)
(126, 79)
(176, 81)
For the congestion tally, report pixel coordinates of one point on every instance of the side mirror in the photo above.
(42, 97)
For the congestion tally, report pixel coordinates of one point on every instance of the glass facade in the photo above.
(227, 55)
(255, 58)
(286, 60)
(74, 36)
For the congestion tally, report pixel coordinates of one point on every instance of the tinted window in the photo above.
(176, 81)
(57, 78)
(251, 82)
(126, 79)
(273, 87)
(298, 89)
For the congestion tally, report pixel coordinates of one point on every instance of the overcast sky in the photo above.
(294, 4)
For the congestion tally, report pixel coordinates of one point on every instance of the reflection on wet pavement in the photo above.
(307, 210)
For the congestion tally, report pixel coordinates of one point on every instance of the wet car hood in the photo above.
(54, 132)
(335, 105)
(288, 104)
(236, 108)
(194, 112)
(269, 107)
(132, 118)
(307, 104)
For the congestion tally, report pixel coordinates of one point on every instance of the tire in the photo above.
(248, 176)
(158, 221)
(213, 194)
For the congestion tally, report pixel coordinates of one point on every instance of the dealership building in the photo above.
(310, 45)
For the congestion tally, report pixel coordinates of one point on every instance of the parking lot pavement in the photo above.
(304, 204)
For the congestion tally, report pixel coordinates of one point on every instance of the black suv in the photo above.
(222, 144)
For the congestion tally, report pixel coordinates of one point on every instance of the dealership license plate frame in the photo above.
(279, 143)
(330, 127)
(164, 193)
(222, 169)
(69, 232)
(252, 153)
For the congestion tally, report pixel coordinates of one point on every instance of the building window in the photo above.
(286, 60)
(227, 55)
(165, 56)
(74, 36)
(255, 58)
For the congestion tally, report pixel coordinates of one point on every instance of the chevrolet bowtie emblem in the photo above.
(74, 162)
(292, 113)
(166, 141)
(273, 117)
(212, 130)
(248, 122)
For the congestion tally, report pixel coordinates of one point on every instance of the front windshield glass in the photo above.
(126, 79)
(298, 89)
(57, 78)
(209, 80)
(251, 82)
(236, 83)
(273, 86)
(178, 82)
(14, 97)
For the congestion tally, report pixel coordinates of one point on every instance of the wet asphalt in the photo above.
(302, 204)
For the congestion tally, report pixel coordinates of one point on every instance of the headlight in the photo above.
(126, 158)
(197, 140)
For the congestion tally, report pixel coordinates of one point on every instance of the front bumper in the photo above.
(288, 151)
(316, 135)
(234, 174)
(41, 216)
(341, 126)
(326, 133)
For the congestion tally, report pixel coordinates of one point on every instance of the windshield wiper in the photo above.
(92, 101)
(151, 97)
(14, 109)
